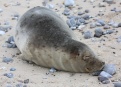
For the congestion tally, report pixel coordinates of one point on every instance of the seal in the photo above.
(45, 39)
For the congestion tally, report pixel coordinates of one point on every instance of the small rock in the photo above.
(117, 84)
(2, 32)
(9, 75)
(1, 10)
(108, 32)
(106, 82)
(12, 69)
(66, 12)
(102, 4)
(98, 24)
(11, 46)
(119, 25)
(110, 68)
(86, 17)
(111, 22)
(98, 32)
(69, 2)
(10, 40)
(97, 73)
(119, 39)
(109, 1)
(80, 13)
(19, 85)
(106, 27)
(102, 22)
(87, 34)
(81, 20)
(92, 25)
(52, 70)
(81, 27)
(105, 74)
(50, 6)
(115, 25)
(26, 81)
(7, 60)
(86, 11)
(71, 22)
(101, 78)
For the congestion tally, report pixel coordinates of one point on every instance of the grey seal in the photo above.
(45, 39)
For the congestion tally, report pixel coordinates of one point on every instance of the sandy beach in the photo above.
(106, 47)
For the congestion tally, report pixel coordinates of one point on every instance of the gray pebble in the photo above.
(106, 82)
(9, 75)
(101, 78)
(81, 20)
(71, 22)
(119, 25)
(10, 40)
(12, 69)
(1, 10)
(117, 84)
(110, 68)
(109, 1)
(108, 32)
(111, 23)
(97, 73)
(66, 12)
(19, 85)
(98, 24)
(115, 25)
(105, 74)
(87, 34)
(86, 11)
(119, 39)
(52, 70)
(113, 9)
(26, 81)
(7, 60)
(98, 32)
(11, 46)
(80, 13)
(86, 17)
(92, 25)
(106, 27)
(102, 22)
(69, 2)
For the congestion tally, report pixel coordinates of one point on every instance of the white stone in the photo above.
(69, 2)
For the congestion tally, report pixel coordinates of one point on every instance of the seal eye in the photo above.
(85, 58)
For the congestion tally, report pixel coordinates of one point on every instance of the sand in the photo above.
(38, 76)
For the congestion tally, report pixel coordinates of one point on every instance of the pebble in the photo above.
(81, 27)
(9, 75)
(16, 15)
(102, 22)
(66, 12)
(7, 60)
(71, 22)
(98, 24)
(10, 40)
(117, 84)
(12, 69)
(1, 10)
(80, 13)
(52, 70)
(106, 81)
(81, 20)
(102, 4)
(86, 17)
(69, 2)
(11, 46)
(101, 78)
(106, 27)
(2, 32)
(110, 68)
(115, 25)
(109, 1)
(119, 25)
(86, 11)
(98, 32)
(92, 25)
(105, 74)
(19, 85)
(50, 6)
(26, 81)
(119, 39)
(108, 32)
(111, 23)
(87, 34)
